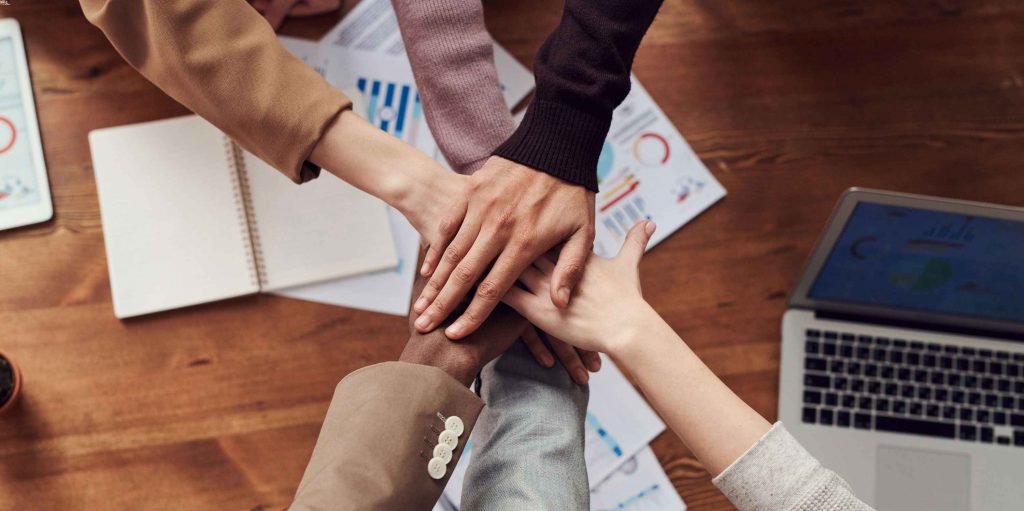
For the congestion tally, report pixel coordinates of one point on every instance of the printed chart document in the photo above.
(647, 171)
(639, 484)
(619, 425)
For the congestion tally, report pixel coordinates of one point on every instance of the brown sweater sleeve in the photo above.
(220, 59)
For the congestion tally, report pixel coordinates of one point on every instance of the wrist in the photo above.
(459, 364)
(637, 333)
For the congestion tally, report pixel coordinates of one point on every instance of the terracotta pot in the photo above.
(9, 373)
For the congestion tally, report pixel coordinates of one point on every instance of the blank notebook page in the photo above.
(171, 219)
(323, 229)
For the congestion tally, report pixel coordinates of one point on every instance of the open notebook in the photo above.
(189, 217)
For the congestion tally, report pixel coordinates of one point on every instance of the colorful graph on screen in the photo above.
(393, 107)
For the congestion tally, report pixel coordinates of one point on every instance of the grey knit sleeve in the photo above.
(778, 474)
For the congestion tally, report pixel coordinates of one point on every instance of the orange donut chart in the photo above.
(14, 134)
(651, 136)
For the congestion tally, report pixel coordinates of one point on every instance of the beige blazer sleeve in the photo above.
(221, 59)
(378, 436)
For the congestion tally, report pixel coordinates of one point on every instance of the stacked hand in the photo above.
(514, 214)
(592, 321)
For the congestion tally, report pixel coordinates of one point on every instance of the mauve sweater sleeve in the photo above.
(582, 73)
(453, 62)
(778, 474)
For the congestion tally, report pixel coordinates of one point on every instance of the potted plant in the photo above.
(10, 382)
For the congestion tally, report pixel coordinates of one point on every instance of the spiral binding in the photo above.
(246, 216)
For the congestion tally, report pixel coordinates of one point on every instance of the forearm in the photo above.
(583, 73)
(373, 161)
(452, 58)
(220, 59)
(713, 421)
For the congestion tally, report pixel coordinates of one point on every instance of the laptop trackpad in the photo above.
(921, 479)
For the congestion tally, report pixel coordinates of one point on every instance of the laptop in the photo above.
(903, 352)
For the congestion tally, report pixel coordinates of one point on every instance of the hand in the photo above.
(463, 359)
(435, 206)
(608, 300)
(515, 214)
(576, 362)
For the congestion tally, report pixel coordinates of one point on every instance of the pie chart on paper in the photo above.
(7, 134)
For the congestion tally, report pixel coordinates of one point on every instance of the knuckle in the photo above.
(505, 221)
(439, 307)
(452, 254)
(462, 274)
(447, 226)
(573, 270)
(434, 285)
(488, 290)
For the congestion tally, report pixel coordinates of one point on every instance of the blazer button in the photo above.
(436, 468)
(455, 425)
(444, 452)
(449, 438)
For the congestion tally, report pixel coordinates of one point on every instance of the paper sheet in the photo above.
(619, 425)
(640, 484)
(647, 171)
(619, 422)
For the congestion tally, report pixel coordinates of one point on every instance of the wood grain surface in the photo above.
(788, 102)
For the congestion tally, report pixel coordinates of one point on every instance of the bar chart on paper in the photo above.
(393, 107)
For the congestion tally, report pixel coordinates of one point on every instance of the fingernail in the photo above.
(420, 305)
(595, 365)
(547, 360)
(456, 329)
(423, 269)
(581, 376)
(563, 295)
(649, 228)
(422, 322)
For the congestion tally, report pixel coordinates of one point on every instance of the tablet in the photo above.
(24, 189)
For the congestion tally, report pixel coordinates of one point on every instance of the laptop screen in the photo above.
(928, 261)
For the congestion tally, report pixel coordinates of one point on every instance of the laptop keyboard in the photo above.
(901, 386)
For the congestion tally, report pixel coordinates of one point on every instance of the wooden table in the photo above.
(218, 406)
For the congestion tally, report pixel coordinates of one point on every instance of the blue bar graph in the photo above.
(388, 107)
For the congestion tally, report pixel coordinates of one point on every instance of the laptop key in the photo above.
(810, 415)
(812, 397)
(899, 406)
(831, 399)
(829, 349)
(968, 432)
(1003, 440)
(812, 347)
(817, 380)
(825, 416)
(1017, 419)
(932, 410)
(999, 418)
(915, 426)
(862, 421)
(1018, 438)
(843, 419)
(815, 364)
(983, 416)
(987, 435)
(948, 412)
(813, 333)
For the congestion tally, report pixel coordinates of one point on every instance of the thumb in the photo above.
(569, 268)
(636, 242)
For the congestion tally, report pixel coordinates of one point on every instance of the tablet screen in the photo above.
(18, 186)
(926, 260)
